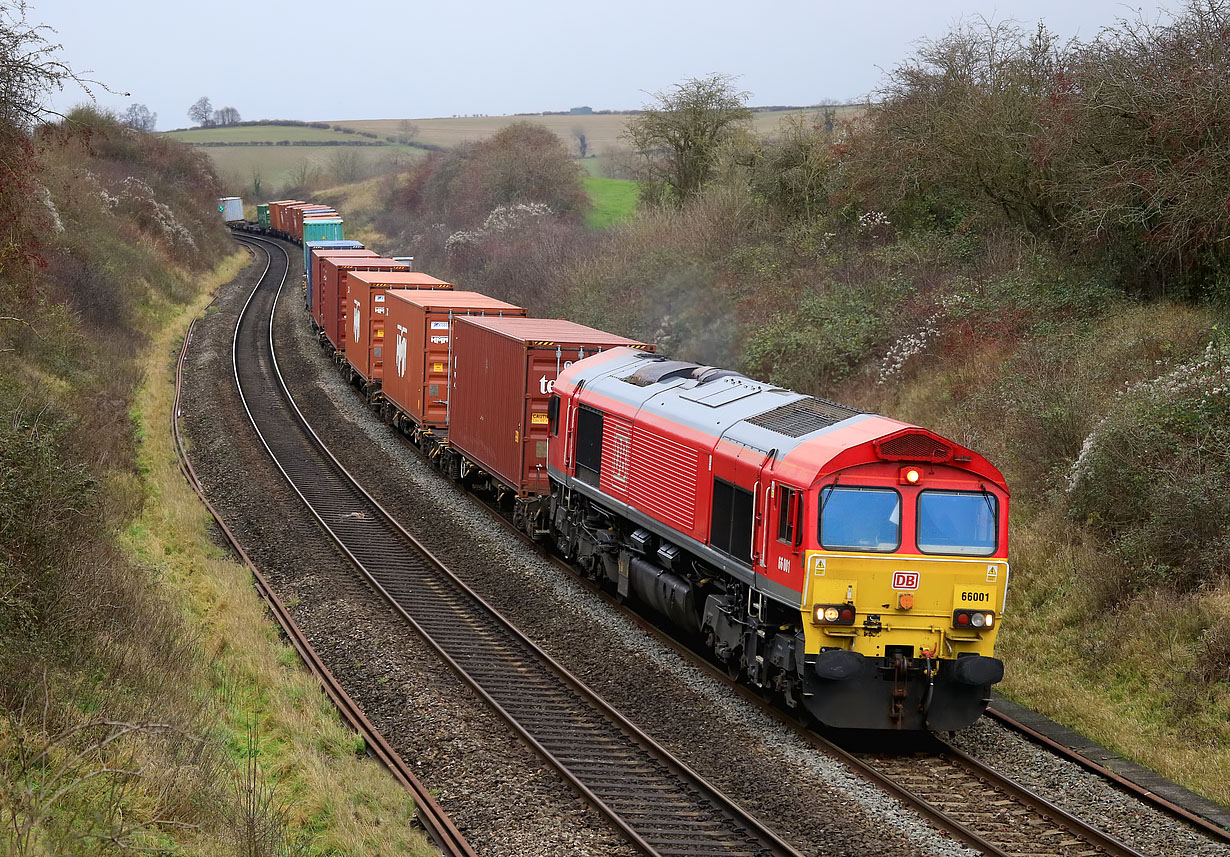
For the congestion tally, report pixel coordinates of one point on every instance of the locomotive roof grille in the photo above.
(913, 445)
(803, 417)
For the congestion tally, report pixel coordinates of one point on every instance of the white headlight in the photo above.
(978, 620)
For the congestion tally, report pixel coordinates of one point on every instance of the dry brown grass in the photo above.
(603, 131)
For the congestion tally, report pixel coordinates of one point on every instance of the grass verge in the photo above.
(290, 747)
(614, 201)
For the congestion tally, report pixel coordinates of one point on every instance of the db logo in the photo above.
(905, 580)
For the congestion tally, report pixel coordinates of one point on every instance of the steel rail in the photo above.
(435, 821)
(642, 820)
(1136, 789)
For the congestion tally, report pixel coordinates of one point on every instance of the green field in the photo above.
(614, 201)
(265, 134)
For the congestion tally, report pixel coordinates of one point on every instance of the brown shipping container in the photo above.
(502, 375)
(277, 213)
(367, 301)
(296, 216)
(333, 291)
(317, 256)
(419, 329)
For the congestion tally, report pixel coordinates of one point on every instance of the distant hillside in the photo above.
(602, 130)
(258, 160)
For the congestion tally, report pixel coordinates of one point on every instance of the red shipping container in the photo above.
(316, 274)
(367, 294)
(419, 329)
(502, 375)
(333, 308)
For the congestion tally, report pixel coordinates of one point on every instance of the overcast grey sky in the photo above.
(366, 59)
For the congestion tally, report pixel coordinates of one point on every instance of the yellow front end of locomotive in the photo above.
(917, 606)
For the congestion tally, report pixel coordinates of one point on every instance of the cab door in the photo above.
(782, 533)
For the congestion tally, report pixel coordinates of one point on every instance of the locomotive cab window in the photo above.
(789, 515)
(867, 519)
(960, 523)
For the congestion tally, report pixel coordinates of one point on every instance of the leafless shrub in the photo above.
(259, 821)
(95, 786)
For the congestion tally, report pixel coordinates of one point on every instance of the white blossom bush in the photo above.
(1154, 474)
(915, 342)
(504, 218)
(137, 198)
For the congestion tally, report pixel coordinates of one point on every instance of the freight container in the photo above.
(503, 370)
(317, 275)
(333, 309)
(308, 247)
(367, 301)
(262, 214)
(419, 328)
(322, 229)
(277, 213)
(295, 214)
(231, 209)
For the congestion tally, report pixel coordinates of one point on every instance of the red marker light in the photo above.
(962, 618)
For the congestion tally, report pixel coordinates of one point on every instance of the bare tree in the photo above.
(139, 116)
(346, 164)
(202, 112)
(226, 116)
(301, 176)
(406, 131)
(679, 138)
(578, 134)
(30, 69)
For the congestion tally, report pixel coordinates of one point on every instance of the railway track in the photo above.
(435, 821)
(661, 806)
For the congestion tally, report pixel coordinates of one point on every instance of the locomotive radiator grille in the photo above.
(803, 417)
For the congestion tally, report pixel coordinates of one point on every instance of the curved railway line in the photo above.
(438, 825)
(657, 803)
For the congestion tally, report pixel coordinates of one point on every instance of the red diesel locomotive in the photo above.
(855, 564)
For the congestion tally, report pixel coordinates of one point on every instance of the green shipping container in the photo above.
(323, 229)
(262, 214)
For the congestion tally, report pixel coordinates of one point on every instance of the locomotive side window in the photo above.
(961, 523)
(553, 416)
(730, 527)
(589, 445)
(860, 519)
(787, 519)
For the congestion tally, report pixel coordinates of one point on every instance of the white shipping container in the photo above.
(231, 208)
